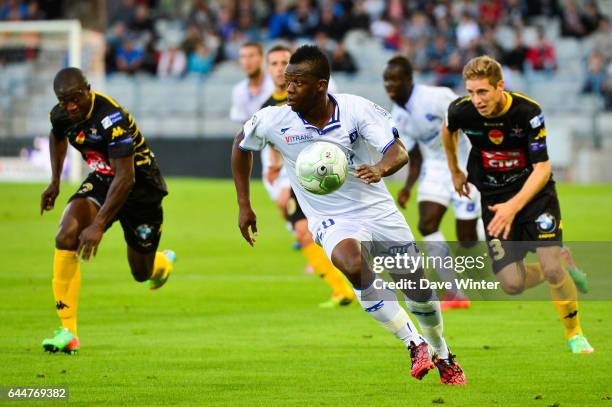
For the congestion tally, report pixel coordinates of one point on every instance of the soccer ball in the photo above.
(321, 168)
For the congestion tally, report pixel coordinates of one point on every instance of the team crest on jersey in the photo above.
(496, 136)
(80, 138)
(517, 132)
(300, 138)
(546, 222)
(93, 134)
(111, 119)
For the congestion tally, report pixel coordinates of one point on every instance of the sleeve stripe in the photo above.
(384, 150)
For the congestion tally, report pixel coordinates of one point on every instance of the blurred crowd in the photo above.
(171, 38)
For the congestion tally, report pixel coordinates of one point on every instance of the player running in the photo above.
(509, 164)
(125, 184)
(362, 210)
(275, 174)
(418, 111)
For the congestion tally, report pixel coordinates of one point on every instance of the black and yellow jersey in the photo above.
(108, 132)
(277, 99)
(504, 147)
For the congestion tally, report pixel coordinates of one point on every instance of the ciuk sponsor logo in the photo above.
(300, 138)
(503, 160)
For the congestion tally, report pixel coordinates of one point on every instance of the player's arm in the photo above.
(276, 165)
(415, 161)
(450, 141)
(57, 151)
(242, 165)
(120, 187)
(392, 160)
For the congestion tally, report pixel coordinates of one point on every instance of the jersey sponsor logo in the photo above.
(503, 160)
(111, 119)
(301, 138)
(541, 134)
(537, 146)
(471, 132)
(96, 162)
(537, 121)
(517, 132)
(80, 138)
(493, 124)
(496, 136)
(117, 132)
(546, 223)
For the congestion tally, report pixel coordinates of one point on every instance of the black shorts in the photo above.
(294, 212)
(141, 219)
(538, 224)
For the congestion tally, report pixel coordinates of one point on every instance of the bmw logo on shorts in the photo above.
(144, 232)
(546, 222)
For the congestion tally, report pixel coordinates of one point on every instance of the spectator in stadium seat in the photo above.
(602, 39)
(541, 56)
(278, 21)
(572, 21)
(467, 30)
(438, 53)
(515, 58)
(330, 24)
(360, 19)
(490, 46)
(596, 74)
(201, 60)
(13, 10)
(129, 56)
(591, 16)
(172, 62)
(514, 14)
(303, 20)
(490, 12)
(342, 61)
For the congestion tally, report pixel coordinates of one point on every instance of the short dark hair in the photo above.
(403, 63)
(253, 44)
(279, 47)
(312, 55)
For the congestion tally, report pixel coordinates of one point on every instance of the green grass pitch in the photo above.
(237, 325)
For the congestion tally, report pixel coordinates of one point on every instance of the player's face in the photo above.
(277, 62)
(485, 97)
(250, 60)
(396, 84)
(76, 102)
(302, 87)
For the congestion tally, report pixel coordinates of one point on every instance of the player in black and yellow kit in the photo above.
(125, 184)
(509, 164)
(277, 58)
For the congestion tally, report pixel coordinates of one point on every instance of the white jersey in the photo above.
(419, 120)
(244, 104)
(359, 127)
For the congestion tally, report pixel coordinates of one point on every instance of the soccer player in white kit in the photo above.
(418, 111)
(362, 210)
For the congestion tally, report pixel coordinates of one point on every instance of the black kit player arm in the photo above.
(58, 147)
(450, 141)
(242, 165)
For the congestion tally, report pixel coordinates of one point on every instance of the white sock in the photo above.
(430, 320)
(480, 230)
(384, 307)
(436, 246)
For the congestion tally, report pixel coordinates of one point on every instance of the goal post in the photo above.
(25, 105)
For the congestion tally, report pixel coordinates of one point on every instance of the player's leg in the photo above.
(78, 214)
(142, 227)
(564, 296)
(434, 241)
(422, 303)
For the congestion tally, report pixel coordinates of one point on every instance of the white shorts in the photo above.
(390, 230)
(436, 185)
(274, 189)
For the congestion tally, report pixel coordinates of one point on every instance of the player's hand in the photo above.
(501, 224)
(89, 239)
(47, 198)
(368, 173)
(461, 184)
(246, 220)
(403, 197)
